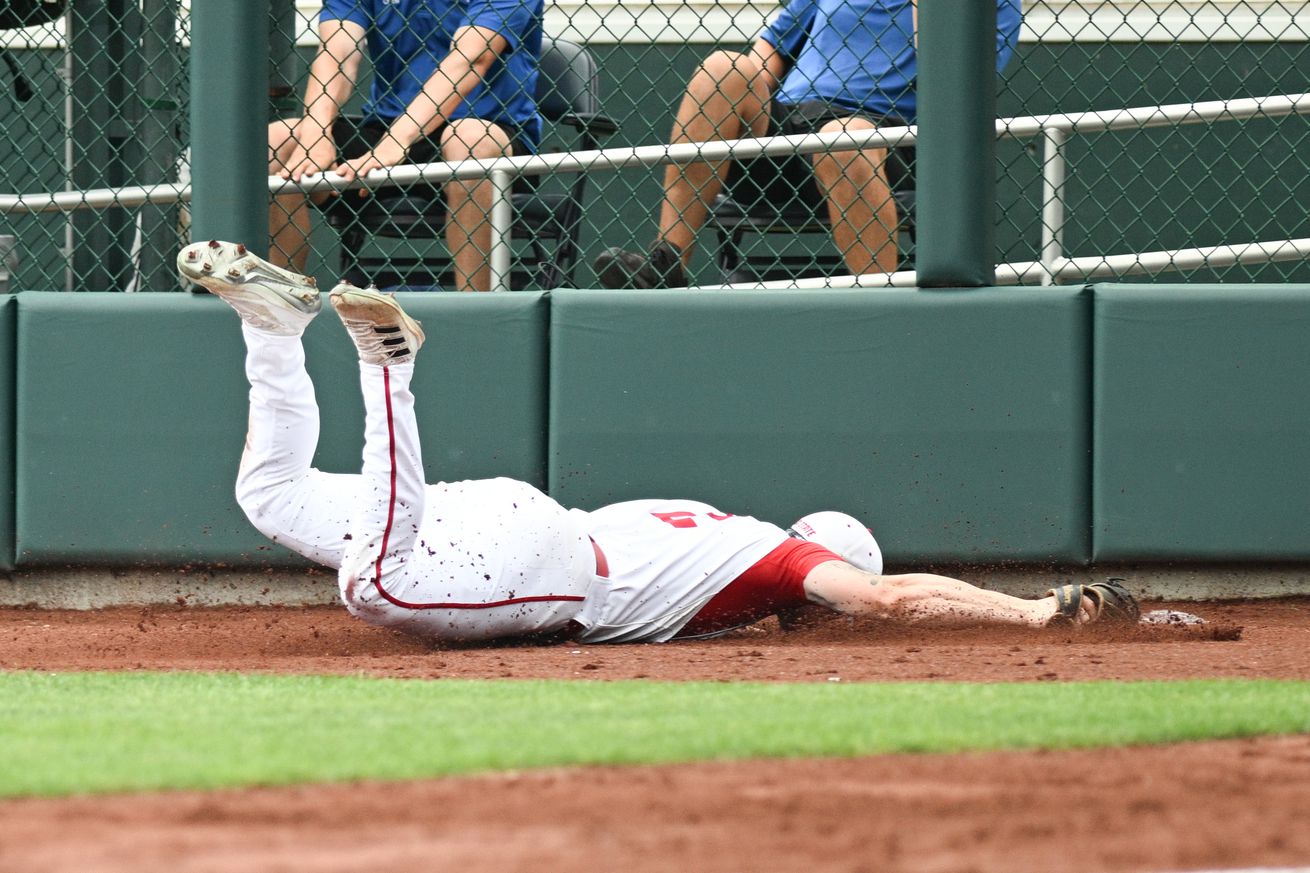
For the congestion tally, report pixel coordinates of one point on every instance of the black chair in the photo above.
(546, 223)
(744, 210)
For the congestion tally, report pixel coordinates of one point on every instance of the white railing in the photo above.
(1053, 129)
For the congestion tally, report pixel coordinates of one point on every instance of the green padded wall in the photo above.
(132, 411)
(1202, 422)
(8, 307)
(955, 423)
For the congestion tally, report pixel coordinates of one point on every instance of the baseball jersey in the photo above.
(667, 559)
(859, 54)
(408, 38)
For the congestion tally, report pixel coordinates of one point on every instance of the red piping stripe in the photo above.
(386, 536)
(539, 598)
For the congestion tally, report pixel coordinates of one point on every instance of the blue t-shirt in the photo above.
(408, 38)
(859, 54)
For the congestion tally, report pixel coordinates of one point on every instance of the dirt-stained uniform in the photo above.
(494, 558)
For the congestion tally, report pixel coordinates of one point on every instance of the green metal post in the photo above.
(955, 243)
(229, 122)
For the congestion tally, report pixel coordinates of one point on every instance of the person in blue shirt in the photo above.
(452, 79)
(818, 66)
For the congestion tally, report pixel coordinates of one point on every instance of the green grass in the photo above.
(96, 732)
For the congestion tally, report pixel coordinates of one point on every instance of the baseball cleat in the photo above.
(383, 333)
(266, 297)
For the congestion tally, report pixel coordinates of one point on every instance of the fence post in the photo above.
(955, 176)
(229, 122)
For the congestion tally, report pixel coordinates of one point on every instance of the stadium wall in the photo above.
(1074, 428)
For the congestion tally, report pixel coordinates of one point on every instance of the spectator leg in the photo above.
(860, 203)
(726, 98)
(468, 201)
(288, 214)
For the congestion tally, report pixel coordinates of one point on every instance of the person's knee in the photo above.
(726, 71)
(858, 167)
(722, 63)
(471, 138)
(853, 122)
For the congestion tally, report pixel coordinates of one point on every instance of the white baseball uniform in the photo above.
(473, 560)
(667, 559)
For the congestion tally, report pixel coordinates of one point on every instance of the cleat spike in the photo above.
(266, 296)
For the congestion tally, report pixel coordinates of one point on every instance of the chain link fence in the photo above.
(96, 97)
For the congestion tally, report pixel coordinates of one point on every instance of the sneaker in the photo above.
(382, 331)
(661, 267)
(267, 297)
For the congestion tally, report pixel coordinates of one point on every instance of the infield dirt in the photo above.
(1197, 806)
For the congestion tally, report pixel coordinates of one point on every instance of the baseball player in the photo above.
(497, 558)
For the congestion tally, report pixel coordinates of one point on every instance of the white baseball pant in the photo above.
(459, 561)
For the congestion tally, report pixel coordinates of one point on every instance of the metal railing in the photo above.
(1054, 130)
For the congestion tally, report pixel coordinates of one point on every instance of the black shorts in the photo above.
(355, 135)
(785, 179)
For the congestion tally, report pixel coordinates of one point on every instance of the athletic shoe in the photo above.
(382, 332)
(266, 297)
(661, 267)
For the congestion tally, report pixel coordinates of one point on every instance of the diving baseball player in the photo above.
(497, 558)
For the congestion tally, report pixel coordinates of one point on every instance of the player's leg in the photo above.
(468, 201)
(726, 98)
(288, 501)
(939, 601)
(860, 203)
(458, 561)
(391, 502)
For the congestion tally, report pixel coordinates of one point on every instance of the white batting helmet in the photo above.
(843, 535)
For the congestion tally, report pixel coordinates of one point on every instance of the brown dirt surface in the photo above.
(1273, 640)
(1197, 806)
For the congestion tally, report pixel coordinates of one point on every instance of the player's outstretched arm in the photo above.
(920, 598)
